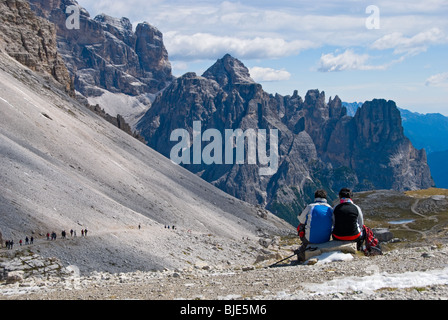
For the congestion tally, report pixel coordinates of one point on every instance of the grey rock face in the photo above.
(31, 41)
(106, 55)
(229, 72)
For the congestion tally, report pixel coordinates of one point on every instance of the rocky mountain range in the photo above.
(127, 73)
(112, 65)
(320, 146)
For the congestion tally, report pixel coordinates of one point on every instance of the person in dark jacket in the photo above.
(348, 219)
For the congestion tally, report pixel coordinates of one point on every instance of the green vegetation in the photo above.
(381, 208)
(427, 193)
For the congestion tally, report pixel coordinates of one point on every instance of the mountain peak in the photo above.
(120, 24)
(229, 71)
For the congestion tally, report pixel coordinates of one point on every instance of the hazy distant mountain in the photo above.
(438, 163)
(427, 131)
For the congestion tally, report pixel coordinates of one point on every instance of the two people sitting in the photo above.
(319, 221)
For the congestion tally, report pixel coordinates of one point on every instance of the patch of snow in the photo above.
(382, 280)
(328, 257)
(129, 107)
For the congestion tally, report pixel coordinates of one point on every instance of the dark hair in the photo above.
(320, 194)
(345, 193)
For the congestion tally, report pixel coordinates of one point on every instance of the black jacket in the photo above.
(348, 220)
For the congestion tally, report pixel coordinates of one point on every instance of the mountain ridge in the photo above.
(319, 145)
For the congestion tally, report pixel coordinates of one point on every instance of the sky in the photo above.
(357, 49)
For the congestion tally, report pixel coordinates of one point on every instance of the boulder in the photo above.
(314, 250)
(383, 234)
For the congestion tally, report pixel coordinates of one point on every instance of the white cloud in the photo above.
(260, 74)
(438, 80)
(410, 45)
(347, 60)
(208, 46)
(265, 29)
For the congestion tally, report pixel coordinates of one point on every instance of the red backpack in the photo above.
(372, 246)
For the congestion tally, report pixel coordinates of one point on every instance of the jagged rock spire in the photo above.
(228, 72)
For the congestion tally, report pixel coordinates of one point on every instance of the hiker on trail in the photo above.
(348, 219)
(316, 223)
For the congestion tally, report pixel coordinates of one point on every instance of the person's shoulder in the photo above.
(338, 206)
(358, 207)
(326, 204)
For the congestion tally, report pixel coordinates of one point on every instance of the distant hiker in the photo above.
(85, 232)
(48, 236)
(316, 223)
(348, 219)
(27, 241)
(139, 226)
(82, 232)
(31, 240)
(20, 242)
(71, 232)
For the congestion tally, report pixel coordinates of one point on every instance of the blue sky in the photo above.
(356, 49)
